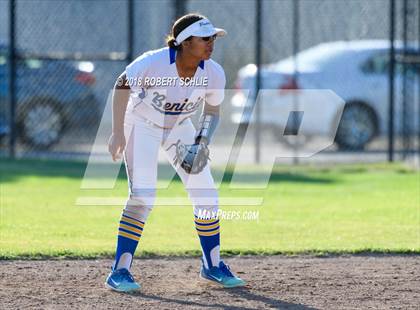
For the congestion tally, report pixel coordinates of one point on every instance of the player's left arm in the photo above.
(209, 120)
(210, 116)
(211, 109)
(194, 157)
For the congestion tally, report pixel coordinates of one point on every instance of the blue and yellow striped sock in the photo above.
(209, 233)
(129, 233)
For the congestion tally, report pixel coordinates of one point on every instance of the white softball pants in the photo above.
(143, 140)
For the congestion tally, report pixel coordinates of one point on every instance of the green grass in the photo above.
(344, 209)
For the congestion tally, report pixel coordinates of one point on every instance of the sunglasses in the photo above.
(213, 37)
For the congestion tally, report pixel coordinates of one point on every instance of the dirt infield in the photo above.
(304, 282)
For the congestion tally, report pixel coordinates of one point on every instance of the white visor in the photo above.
(201, 28)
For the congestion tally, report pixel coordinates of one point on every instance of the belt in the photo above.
(146, 120)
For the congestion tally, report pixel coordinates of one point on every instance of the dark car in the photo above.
(51, 95)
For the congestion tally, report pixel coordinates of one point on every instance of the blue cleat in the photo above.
(221, 275)
(121, 280)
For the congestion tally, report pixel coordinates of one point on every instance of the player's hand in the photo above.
(193, 157)
(116, 145)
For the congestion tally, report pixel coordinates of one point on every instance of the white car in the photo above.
(356, 71)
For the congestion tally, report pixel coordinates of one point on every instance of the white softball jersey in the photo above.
(162, 97)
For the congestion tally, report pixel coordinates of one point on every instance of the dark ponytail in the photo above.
(180, 24)
(170, 41)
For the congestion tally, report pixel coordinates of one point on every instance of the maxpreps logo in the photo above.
(159, 103)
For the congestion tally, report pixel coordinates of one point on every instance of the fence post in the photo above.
(12, 79)
(179, 8)
(405, 87)
(391, 81)
(258, 42)
(130, 25)
(295, 44)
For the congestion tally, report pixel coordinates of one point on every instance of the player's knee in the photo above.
(138, 212)
(204, 197)
(140, 203)
(143, 196)
(205, 202)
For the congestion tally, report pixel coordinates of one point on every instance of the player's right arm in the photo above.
(120, 96)
(126, 82)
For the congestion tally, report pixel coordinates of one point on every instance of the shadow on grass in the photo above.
(13, 170)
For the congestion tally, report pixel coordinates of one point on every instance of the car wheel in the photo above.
(358, 125)
(42, 123)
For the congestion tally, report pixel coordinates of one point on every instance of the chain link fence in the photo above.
(326, 44)
(69, 53)
(63, 60)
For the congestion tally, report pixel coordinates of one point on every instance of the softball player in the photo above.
(153, 101)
